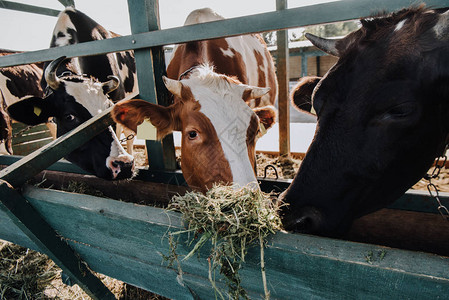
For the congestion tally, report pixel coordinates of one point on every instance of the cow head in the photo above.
(218, 128)
(383, 116)
(72, 100)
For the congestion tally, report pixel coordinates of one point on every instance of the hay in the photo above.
(232, 220)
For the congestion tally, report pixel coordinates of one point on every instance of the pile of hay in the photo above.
(232, 220)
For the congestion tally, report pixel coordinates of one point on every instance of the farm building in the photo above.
(401, 251)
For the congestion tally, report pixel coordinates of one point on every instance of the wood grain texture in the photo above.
(127, 241)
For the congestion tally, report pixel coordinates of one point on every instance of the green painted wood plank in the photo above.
(150, 64)
(31, 137)
(29, 8)
(29, 222)
(19, 172)
(29, 147)
(290, 18)
(108, 233)
(61, 165)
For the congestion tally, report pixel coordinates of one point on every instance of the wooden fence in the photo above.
(127, 241)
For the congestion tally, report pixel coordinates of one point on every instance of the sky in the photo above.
(27, 31)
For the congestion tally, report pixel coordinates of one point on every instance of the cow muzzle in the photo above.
(308, 219)
(121, 167)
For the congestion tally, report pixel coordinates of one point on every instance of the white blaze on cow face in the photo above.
(91, 95)
(221, 102)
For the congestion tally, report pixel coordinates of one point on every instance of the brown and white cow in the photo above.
(16, 83)
(214, 83)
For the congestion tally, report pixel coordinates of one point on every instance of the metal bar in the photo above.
(288, 18)
(37, 229)
(282, 65)
(150, 63)
(67, 2)
(29, 8)
(19, 172)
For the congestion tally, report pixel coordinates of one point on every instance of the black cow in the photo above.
(72, 100)
(383, 117)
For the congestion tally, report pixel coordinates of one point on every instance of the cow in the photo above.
(72, 100)
(301, 94)
(214, 83)
(382, 115)
(5, 129)
(73, 27)
(16, 83)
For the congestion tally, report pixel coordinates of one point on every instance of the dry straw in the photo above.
(232, 220)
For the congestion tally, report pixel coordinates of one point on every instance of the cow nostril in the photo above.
(114, 164)
(309, 220)
(304, 224)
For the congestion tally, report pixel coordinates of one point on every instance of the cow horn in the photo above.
(50, 73)
(442, 27)
(257, 92)
(327, 45)
(111, 85)
(174, 86)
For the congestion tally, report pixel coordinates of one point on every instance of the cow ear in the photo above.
(301, 94)
(267, 116)
(132, 113)
(31, 111)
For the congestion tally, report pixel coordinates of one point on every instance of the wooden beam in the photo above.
(288, 18)
(150, 64)
(282, 65)
(127, 241)
(34, 227)
(29, 8)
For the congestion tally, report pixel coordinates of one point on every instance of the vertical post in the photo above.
(150, 65)
(283, 79)
(318, 65)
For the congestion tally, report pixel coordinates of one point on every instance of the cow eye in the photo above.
(192, 134)
(399, 111)
(69, 117)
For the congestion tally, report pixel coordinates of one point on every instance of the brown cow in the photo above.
(209, 80)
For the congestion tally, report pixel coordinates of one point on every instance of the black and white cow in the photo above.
(72, 100)
(73, 27)
(383, 117)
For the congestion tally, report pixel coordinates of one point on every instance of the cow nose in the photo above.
(305, 220)
(121, 167)
(122, 170)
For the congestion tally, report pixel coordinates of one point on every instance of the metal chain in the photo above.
(127, 138)
(432, 188)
